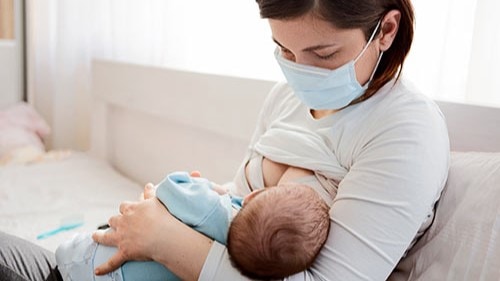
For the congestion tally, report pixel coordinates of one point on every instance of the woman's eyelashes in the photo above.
(290, 56)
(287, 54)
(326, 57)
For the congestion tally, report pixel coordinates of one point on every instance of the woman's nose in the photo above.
(303, 60)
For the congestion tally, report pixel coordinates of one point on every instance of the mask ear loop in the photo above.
(369, 40)
(366, 47)
(376, 66)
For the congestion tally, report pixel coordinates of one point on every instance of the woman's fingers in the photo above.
(136, 232)
(126, 207)
(114, 221)
(113, 263)
(105, 237)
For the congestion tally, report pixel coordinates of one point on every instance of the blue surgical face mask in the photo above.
(320, 88)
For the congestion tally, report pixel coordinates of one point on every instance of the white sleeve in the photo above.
(390, 188)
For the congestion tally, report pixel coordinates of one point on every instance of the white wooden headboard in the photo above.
(149, 121)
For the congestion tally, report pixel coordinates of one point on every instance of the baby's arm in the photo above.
(191, 200)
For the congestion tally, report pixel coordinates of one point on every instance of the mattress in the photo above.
(36, 198)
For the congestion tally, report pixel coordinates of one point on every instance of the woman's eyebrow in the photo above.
(308, 49)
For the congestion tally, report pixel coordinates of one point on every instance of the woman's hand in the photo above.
(135, 232)
(145, 230)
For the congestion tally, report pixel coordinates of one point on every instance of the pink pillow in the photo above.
(21, 126)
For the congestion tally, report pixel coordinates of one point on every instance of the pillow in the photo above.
(464, 241)
(22, 132)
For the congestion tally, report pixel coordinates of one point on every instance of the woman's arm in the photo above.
(394, 179)
(167, 240)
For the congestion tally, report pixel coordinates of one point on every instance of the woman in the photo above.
(347, 116)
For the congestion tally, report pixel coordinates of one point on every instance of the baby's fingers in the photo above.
(195, 174)
(149, 191)
(113, 263)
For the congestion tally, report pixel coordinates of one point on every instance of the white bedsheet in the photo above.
(35, 198)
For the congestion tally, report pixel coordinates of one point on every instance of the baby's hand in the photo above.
(195, 174)
(149, 192)
(221, 190)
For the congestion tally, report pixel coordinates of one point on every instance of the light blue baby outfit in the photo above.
(189, 199)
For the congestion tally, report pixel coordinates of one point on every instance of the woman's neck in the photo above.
(318, 114)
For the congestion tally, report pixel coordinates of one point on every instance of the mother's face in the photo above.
(311, 41)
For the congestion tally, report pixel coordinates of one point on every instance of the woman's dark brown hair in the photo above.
(348, 14)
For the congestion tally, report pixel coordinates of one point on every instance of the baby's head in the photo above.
(279, 232)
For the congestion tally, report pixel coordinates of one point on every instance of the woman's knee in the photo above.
(23, 260)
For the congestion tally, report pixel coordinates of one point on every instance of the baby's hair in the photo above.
(279, 232)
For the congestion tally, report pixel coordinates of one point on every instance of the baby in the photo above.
(278, 231)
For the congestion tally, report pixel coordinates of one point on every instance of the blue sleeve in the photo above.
(192, 201)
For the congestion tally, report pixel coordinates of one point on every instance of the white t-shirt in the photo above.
(390, 154)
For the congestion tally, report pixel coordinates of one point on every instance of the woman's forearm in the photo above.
(185, 251)
(145, 230)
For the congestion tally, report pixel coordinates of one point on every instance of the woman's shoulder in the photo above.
(404, 99)
(280, 93)
(279, 99)
(402, 109)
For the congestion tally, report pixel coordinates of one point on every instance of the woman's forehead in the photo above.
(304, 32)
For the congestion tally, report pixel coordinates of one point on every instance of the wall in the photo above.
(11, 55)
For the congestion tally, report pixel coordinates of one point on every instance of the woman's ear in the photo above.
(389, 29)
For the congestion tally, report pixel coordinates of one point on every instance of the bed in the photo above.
(41, 191)
(147, 121)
